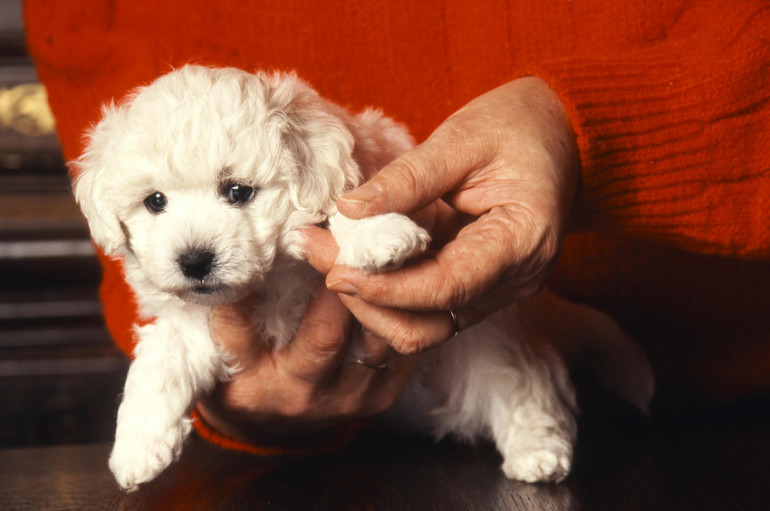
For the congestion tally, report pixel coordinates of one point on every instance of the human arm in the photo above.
(508, 164)
(672, 139)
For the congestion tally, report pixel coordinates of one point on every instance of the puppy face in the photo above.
(200, 178)
(206, 242)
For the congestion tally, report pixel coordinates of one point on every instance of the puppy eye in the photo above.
(238, 194)
(155, 202)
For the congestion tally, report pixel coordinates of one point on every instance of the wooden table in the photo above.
(620, 465)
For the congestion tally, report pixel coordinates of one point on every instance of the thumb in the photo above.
(407, 184)
(320, 248)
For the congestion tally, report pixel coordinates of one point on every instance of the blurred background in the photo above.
(60, 375)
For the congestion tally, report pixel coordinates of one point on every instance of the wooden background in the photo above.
(59, 371)
(621, 464)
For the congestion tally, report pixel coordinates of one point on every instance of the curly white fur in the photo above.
(203, 138)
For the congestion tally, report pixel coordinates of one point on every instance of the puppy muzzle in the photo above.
(196, 264)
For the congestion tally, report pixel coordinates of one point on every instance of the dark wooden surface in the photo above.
(685, 464)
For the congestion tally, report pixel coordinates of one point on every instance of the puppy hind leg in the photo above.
(535, 447)
(504, 382)
(532, 421)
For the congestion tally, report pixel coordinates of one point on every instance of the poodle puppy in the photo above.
(199, 181)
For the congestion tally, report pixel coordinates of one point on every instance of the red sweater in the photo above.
(669, 100)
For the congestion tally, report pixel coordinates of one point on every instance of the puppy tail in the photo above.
(591, 339)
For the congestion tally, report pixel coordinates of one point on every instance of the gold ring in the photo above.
(455, 322)
(360, 362)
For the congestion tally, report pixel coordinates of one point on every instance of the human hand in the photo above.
(313, 384)
(508, 165)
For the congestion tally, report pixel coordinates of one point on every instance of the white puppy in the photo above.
(199, 182)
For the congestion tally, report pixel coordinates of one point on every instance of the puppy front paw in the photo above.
(137, 459)
(378, 243)
(132, 466)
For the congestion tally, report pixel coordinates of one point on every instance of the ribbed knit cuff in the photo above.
(622, 114)
(326, 441)
(669, 151)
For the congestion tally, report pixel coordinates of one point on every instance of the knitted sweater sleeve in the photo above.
(674, 135)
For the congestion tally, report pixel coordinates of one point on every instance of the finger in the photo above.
(384, 386)
(455, 276)
(368, 364)
(412, 181)
(232, 326)
(447, 224)
(369, 349)
(371, 390)
(321, 341)
(320, 248)
(407, 332)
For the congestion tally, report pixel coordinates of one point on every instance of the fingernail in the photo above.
(362, 194)
(340, 286)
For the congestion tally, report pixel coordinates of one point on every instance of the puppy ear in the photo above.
(93, 187)
(316, 135)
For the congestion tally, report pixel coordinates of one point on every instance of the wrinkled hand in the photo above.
(313, 383)
(508, 165)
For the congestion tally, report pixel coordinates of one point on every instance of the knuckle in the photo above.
(423, 170)
(449, 294)
(461, 130)
(453, 131)
(403, 341)
(348, 408)
(411, 339)
(300, 406)
(406, 346)
(403, 172)
(381, 405)
(455, 289)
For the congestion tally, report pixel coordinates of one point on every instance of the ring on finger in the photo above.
(364, 363)
(455, 322)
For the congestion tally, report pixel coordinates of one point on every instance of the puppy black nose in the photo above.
(196, 264)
